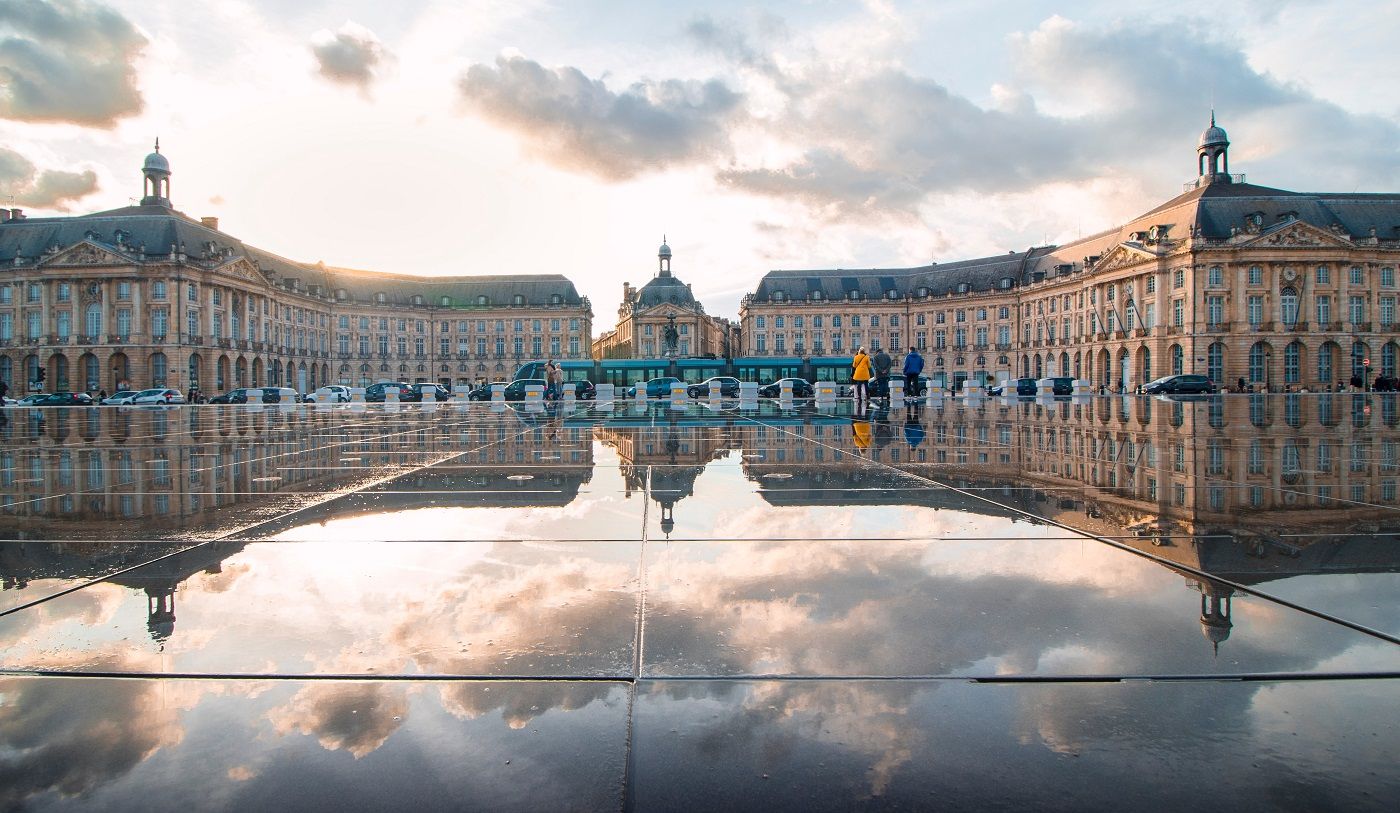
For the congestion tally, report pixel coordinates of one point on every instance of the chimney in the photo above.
(209, 223)
(16, 214)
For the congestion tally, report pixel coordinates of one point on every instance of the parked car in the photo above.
(62, 399)
(429, 391)
(515, 390)
(483, 392)
(270, 395)
(119, 398)
(374, 393)
(876, 390)
(585, 391)
(158, 395)
(331, 393)
(656, 387)
(728, 387)
(1188, 383)
(1024, 387)
(1061, 385)
(801, 388)
(29, 400)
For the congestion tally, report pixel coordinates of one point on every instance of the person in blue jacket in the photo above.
(913, 365)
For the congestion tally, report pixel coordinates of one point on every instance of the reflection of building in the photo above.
(1283, 289)
(673, 458)
(146, 296)
(649, 312)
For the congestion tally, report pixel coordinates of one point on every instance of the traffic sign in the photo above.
(1365, 362)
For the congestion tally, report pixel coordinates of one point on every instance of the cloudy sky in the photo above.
(520, 136)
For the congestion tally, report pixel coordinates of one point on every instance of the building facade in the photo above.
(147, 296)
(647, 312)
(1283, 290)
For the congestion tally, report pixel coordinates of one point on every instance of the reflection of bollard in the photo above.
(534, 394)
(604, 394)
(498, 393)
(357, 395)
(498, 405)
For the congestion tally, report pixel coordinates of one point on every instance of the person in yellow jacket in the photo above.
(861, 374)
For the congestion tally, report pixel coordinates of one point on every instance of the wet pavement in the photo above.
(993, 603)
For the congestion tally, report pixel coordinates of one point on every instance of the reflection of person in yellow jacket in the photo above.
(860, 374)
(861, 429)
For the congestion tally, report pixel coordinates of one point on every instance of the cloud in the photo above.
(578, 123)
(67, 61)
(351, 55)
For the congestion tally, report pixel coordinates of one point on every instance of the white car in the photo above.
(120, 398)
(159, 395)
(331, 393)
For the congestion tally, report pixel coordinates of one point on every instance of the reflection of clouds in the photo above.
(94, 606)
(54, 744)
(355, 717)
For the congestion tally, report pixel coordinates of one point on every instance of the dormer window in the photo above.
(1005, 283)
(418, 299)
(483, 300)
(779, 296)
(380, 297)
(892, 294)
(964, 287)
(923, 292)
(1254, 219)
(518, 300)
(556, 299)
(816, 296)
(446, 301)
(853, 295)
(341, 294)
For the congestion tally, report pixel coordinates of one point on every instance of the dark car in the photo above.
(63, 399)
(428, 391)
(1062, 385)
(1024, 387)
(876, 389)
(728, 387)
(515, 390)
(374, 393)
(584, 390)
(801, 388)
(656, 387)
(483, 392)
(270, 395)
(1182, 384)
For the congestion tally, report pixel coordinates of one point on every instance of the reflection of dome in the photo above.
(1216, 630)
(663, 290)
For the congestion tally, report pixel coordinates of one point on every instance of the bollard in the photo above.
(568, 392)
(896, 391)
(255, 400)
(1045, 388)
(534, 394)
(641, 391)
(678, 392)
(391, 395)
(748, 390)
(826, 390)
(785, 390)
(1082, 387)
(498, 393)
(605, 393)
(459, 397)
(357, 395)
(935, 390)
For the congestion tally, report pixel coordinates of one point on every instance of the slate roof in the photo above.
(153, 229)
(661, 290)
(1209, 211)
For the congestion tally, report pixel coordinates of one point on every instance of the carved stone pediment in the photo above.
(1121, 256)
(85, 253)
(1297, 234)
(242, 269)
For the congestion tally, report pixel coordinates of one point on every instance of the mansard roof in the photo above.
(148, 233)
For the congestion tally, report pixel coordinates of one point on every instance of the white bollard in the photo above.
(896, 391)
(678, 392)
(605, 393)
(641, 391)
(498, 393)
(568, 392)
(826, 391)
(459, 397)
(935, 390)
(714, 394)
(1045, 388)
(357, 395)
(255, 400)
(391, 395)
(1082, 387)
(534, 394)
(748, 390)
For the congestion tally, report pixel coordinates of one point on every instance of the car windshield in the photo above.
(123, 393)
(1164, 379)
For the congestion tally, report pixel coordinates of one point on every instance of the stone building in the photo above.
(1285, 290)
(647, 312)
(147, 296)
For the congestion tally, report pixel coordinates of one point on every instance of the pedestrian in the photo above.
(913, 365)
(1242, 385)
(554, 379)
(102, 395)
(883, 363)
(860, 374)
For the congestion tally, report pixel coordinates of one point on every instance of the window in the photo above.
(191, 292)
(1255, 309)
(65, 292)
(160, 323)
(1215, 310)
(1178, 312)
(1178, 278)
(191, 323)
(158, 369)
(1256, 275)
(1356, 275)
(1325, 363)
(124, 290)
(1387, 277)
(65, 325)
(1215, 276)
(1178, 360)
(779, 322)
(760, 322)
(1215, 362)
(93, 321)
(1387, 311)
(1356, 309)
(32, 293)
(1324, 275)
(1324, 310)
(1258, 362)
(1292, 363)
(124, 323)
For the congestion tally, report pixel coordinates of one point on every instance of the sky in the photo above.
(523, 136)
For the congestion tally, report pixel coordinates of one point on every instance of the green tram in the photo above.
(762, 370)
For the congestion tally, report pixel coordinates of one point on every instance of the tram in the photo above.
(759, 369)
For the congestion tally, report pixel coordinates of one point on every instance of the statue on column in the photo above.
(671, 335)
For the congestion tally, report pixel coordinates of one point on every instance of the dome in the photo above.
(156, 162)
(1214, 136)
(664, 290)
(664, 251)
(1215, 630)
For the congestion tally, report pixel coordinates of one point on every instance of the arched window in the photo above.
(518, 300)
(93, 320)
(1293, 363)
(1178, 360)
(1064, 364)
(1288, 306)
(1146, 365)
(1359, 352)
(159, 370)
(1326, 363)
(1258, 362)
(1388, 359)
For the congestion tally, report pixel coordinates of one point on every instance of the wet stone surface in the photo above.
(661, 607)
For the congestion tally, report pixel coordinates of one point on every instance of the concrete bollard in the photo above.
(605, 393)
(678, 392)
(357, 395)
(896, 391)
(748, 390)
(255, 401)
(534, 394)
(568, 392)
(459, 397)
(641, 391)
(498, 393)
(826, 391)
(391, 395)
(935, 390)
(1045, 388)
(1082, 387)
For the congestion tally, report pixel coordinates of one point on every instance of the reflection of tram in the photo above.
(626, 372)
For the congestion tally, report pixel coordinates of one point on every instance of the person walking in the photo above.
(553, 380)
(860, 374)
(913, 365)
(883, 363)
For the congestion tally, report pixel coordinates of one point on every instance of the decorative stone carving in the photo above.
(84, 254)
